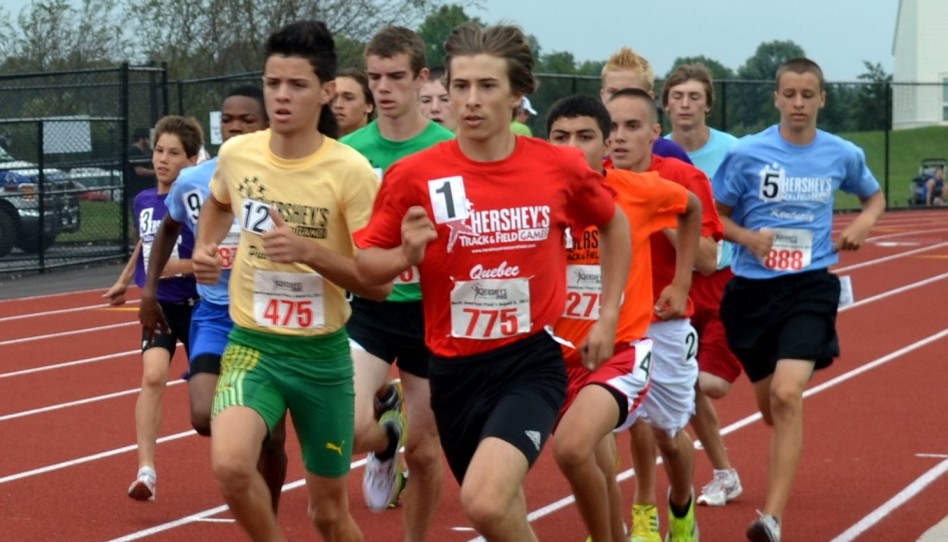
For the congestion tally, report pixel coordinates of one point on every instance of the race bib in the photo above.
(792, 249)
(408, 276)
(256, 217)
(583, 289)
(146, 252)
(490, 308)
(228, 247)
(289, 300)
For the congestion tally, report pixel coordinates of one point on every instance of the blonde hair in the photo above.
(626, 59)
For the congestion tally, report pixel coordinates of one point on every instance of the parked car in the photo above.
(20, 205)
(97, 184)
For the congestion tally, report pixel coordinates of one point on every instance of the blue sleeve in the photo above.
(175, 202)
(859, 179)
(727, 185)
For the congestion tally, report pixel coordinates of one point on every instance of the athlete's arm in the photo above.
(673, 301)
(706, 260)
(116, 294)
(853, 237)
(149, 313)
(213, 224)
(615, 259)
(283, 245)
(758, 242)
(381, 265)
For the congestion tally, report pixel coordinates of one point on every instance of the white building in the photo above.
(920, 80)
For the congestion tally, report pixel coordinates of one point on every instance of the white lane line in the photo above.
(894, 503)
(204, 514)
(65, 333)
(896, 291)
(61, 311)
(47, 296)
(60, 406)
(88, 458)
(884, 259)
(68, 364)
(566, 501)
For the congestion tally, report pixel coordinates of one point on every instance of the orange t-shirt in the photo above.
(650, 203)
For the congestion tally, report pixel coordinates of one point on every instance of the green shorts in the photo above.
(309, 376)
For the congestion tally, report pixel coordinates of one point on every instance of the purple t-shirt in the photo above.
(667, 148)
(150, 209)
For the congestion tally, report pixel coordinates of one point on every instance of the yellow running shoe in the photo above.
(645, 523)
(682, 529)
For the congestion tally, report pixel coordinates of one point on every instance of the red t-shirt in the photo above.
(650, 203)
(663, 252)
(496, 271)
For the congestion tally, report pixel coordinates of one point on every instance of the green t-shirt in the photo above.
(382, 153)
(520, 128)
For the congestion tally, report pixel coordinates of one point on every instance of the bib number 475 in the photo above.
(289, 313)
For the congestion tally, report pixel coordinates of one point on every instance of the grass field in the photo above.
(907, 148)
(101, 221)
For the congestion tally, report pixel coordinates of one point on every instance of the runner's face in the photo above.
(615, 81)
(582, 133)
(349, 105)
(799, 99)
(169, 158)
(481, 96)
(435, 104)
(633, 133)
(293, 94)
(687, 105)
(393, 86)
(240, 115)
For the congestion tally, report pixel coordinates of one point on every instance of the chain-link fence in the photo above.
(67, 167)
(64, 159)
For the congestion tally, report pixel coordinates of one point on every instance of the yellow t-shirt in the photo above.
(325, 197)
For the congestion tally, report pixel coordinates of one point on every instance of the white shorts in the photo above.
(670, 402)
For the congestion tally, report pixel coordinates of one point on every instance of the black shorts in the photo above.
(513, 393)
(178, 317)
(788, 317)
(391, 331)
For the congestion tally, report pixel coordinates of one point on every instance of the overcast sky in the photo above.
(838, 34)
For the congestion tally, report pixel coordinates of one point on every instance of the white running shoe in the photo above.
(726, 486)
(380, 481)
(764, 529)
(144, 488)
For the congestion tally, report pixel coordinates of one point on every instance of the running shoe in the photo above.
(724, 487)
(682, 529)
(144, 487)
(380, 481)
(394, 398)
(766, 528)
(645, 523)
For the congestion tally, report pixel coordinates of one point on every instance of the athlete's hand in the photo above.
(116, 294)
(759, 243)
(417, 231)
(152, 318)
(282, 244)
(599, 344)
(207, 263)
(672, 303)
(853, 237)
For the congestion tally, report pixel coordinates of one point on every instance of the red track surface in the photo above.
(67, 432)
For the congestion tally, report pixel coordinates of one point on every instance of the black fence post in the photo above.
(886, 133)
(41, 179)
(166, 108)
(126, 171)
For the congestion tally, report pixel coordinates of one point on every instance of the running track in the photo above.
(873, 468)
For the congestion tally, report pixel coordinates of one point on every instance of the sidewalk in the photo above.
(94, 276)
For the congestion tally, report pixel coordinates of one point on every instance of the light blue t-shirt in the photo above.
(184, 202)
(773, 184)
(707, 159)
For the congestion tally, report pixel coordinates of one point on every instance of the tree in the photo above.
(52, 35)
(873, 97)
(199, 37)
(752, 105)
(438, 26)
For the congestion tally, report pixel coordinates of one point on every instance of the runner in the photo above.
(774, 192)
(488, 242)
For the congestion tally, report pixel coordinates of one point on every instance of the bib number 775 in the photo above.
(492, 322)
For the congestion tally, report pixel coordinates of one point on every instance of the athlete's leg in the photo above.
(492, 493)
(329, 508)
(155, 363)
(371, 373)
(423, 456)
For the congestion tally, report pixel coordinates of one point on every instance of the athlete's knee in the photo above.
(785, 397)
(571, 454)
(482, 507)
(201, 422)
(232, 470)
(423, 454)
